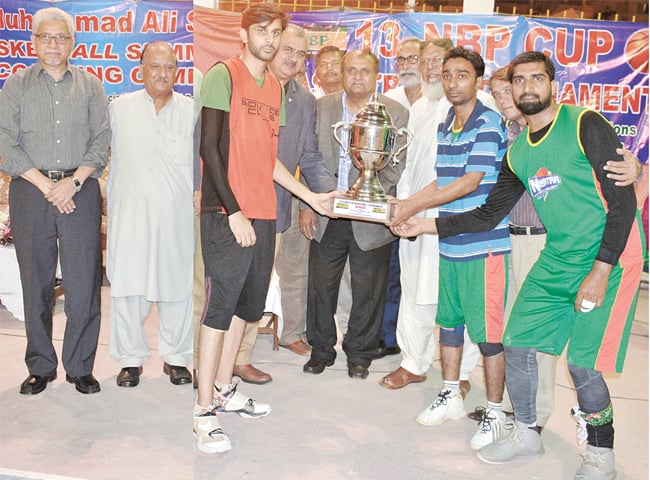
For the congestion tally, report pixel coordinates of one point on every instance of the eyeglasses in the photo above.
(411, 60)
(430, 62)
(60, 39)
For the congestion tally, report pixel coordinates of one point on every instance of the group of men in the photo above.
(592, 251)
(55, 132)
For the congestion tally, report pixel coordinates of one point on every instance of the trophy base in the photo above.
(369, 211)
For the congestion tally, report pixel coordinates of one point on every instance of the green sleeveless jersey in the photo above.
(564, 188)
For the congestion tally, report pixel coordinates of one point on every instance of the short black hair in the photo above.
(327, 49)
(532, 57)
(472, 57)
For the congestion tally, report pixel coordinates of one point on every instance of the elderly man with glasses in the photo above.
(408, 73)
(54, 139)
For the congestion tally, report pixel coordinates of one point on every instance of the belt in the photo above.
(56, 175)
(517, 230)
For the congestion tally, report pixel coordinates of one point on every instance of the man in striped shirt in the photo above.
(54, 139)
(471, 142)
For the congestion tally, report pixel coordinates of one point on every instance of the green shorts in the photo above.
(473, 293)
(543, 316)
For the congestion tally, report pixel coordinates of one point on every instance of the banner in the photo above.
(108, 40)
(602, 65)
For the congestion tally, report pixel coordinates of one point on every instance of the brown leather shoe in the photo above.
(250, 374)
(400, 378)
(298, 347)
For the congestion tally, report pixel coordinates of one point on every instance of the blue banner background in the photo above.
(109, 41)
(603, 65)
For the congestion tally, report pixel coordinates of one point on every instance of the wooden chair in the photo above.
(269, 326)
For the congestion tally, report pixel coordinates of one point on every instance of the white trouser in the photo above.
(128, 343)
(415, 337)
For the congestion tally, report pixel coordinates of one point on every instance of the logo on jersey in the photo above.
(542, 183)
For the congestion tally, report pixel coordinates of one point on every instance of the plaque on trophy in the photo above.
(371, 145)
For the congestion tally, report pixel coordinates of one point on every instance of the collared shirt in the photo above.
(345, 161)
(53, 124)
(523, 214)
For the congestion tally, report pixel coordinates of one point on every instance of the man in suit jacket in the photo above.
(366, 244)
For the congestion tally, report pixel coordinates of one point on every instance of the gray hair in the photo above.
(52, 14)
(415, 40)
(438, 42)
(297, 30)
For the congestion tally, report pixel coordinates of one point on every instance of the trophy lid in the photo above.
(374, 113)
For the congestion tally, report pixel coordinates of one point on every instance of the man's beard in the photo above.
(409, 79)
(433, 91)
(257, 52)
(534, 107)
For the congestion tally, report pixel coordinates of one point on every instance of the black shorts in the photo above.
(236, 278)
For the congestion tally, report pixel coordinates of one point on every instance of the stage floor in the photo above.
(324, 427)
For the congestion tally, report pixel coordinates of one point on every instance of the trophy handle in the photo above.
(409, 138)
(335, 129)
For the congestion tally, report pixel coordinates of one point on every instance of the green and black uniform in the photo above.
(587, 218)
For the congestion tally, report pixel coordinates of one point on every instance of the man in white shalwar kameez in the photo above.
(150, 220)
(419, 257)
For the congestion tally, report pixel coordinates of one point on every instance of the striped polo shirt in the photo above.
(479, 147)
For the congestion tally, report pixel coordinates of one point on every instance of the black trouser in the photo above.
(369, 271)
(41, 233)
(393, 296)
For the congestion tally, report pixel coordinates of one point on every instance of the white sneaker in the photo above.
(490, 429)
(229, 400)
(445, 406)
(522, 442)
(209, 434)
(597, 464)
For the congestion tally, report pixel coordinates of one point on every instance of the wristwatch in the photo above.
(76, 183)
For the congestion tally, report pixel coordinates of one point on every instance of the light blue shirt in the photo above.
(345, 161)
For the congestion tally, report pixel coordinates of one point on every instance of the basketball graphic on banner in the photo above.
(636, 51)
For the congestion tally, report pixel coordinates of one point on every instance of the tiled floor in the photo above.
(322, 427)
